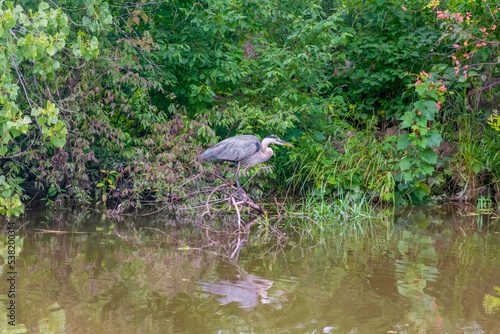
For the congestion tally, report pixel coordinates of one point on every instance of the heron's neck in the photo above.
(264, 146)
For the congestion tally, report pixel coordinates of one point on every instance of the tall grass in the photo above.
(475, 167)
(344, 214)
(361, 163)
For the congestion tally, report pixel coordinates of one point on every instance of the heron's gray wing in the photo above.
(233, 149)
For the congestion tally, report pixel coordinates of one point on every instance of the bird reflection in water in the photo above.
(248, 291)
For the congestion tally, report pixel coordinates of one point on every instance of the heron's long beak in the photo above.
(282, 142)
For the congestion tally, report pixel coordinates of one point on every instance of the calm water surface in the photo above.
(433, 271)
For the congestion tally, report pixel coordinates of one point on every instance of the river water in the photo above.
(433, 270)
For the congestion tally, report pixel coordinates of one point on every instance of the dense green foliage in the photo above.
(114, 101)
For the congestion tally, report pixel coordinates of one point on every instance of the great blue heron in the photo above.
(245, 150)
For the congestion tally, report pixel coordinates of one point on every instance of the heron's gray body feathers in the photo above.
(245, 148)
(245, 151)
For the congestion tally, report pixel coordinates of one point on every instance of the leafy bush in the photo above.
(105, 102)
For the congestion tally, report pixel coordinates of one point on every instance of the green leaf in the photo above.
(434, 138)
(99, 185)
(45, 130)
(43, 22)
(426, 169)
(7, 137)
(427, 108)
(429, 156)
(405, 163)
(30, 39)
(87, 56)
(424, 187)
(408, 118)
(404, 141)
(432, 94)
(51, 49)
(86, 20)
(32, 51)
(421, 89)
(7, 193)
(108, 20)
(26, 51)
(58, 142)
(3, 150)
(43, 6)
(8, 19)
(15, 132)
(76, 50)
(419, 193)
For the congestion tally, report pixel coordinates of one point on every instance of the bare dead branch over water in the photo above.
(213, 205)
